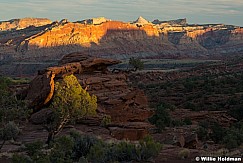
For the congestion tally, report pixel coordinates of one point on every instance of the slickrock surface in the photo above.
(128, 107)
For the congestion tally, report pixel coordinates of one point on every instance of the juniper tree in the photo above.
(70, 102)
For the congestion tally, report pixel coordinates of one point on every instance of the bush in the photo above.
(237, 112)
(16, 158)
(70, 102)
(99, 153)
(148, 148)
(106, 120)
(202, 133)
(82, 144)
(191, 106)
(184, 153)
(34, 148)
(234, 136)
(217, 133)
(11, 108)
(161, 118)
(10, 131)
(187, 121)
(230, 141)
(83, 160)
(35, 153)
(176, 122)
(136, 63)
(84, 148)
(124, 151)
(62, 150)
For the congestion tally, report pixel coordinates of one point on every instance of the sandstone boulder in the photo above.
(125, 105)
(41, 117)
(41, 90)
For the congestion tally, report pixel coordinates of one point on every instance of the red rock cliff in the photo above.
(23, 23)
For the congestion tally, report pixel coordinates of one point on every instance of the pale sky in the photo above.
(196, 11)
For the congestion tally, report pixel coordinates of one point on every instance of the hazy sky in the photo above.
(196, 11)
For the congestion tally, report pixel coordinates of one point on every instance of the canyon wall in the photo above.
(48, 43)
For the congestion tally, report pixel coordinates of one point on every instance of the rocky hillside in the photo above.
(35, 42)
(126, 106)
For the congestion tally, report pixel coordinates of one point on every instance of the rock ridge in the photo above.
(117, 40)
(127, 106)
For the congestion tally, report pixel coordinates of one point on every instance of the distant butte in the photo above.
(38, 42)
(16, 24)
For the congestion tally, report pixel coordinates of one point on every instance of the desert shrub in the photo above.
(99, 153)
(124, 151)
(230, 141)
(237, 111)
(184, 153)
(177, 122)
(106, 120)
(161, 118)
(34, 148)
(231, 137)
(20, 158)
(4, 83)
(234, 136)
(82, 144)
(70, 102)
(8, 132)
(83, 160)
(35, 153)
(62, 150)
(147, 149)
(43, 159)
(136, 63)
(190, 105)
(218, 132)
(83, 148)
(168, 106)
(11, 108)
(202, 133)
(187, 121)
(14, 113)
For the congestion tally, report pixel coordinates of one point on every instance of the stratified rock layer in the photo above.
(128, 107)
(23, 23)
(40, 46)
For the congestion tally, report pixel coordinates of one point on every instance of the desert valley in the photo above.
(99, 90)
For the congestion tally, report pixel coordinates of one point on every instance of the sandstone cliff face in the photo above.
(23, 23)
(107, 39)
(84, 35)
(114, 37)
(127, 106)
(118, 40)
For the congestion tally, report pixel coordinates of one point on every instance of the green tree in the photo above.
(11, 108)
(136, 63)
(70, 102)
(161, 118)
(8, 132)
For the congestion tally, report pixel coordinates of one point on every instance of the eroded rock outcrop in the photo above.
(128, 107)
(182, 22)
(23, 23)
